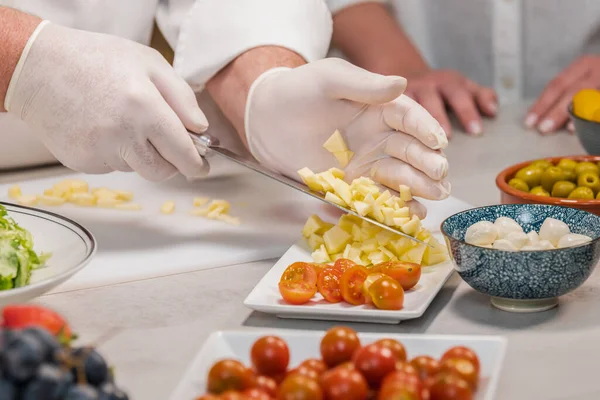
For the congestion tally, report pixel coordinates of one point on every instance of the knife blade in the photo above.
(207, 144)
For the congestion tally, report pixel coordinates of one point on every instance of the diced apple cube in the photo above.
(383, 197)
(335, 143)
(14, 192)
(391, 202)
(414, 255)
(377, 257)
(369, 199)
(424, 235)
(369, 245)
(323, 183)
(377, 214)
(357, 234)
(383, 237)
(389, 255)
(338, 173)
(305, 173)
(168, 207)
(342, 189)
(320, 255)
(405, 193)
(369, 229)
(403, 212)
(200, 201)
(388, 215)
(336, 239)
(312, 225)
(402, 245)
(412, 227)
(219, 204)
(343, 157)
(400, 221)
(346, 224)
(315, 241)
(329, 178)
(362, 208)
(430, 258)
(83, 199)
(399, 203)
(329, 196)
(357, 196)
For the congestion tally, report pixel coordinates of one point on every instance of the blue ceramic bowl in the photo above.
(526, 280)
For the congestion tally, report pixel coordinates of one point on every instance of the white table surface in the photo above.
(152, 329)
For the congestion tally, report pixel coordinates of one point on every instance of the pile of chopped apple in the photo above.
(367, 244)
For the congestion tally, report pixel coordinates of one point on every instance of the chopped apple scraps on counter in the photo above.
(336, 146)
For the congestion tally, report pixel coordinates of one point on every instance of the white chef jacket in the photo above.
(206, 36)
(514, 46)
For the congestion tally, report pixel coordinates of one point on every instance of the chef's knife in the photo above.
(207, 144)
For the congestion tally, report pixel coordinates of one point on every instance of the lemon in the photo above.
(586, 104)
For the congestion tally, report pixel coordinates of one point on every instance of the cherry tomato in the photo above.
(267, 385)
(338, 346)
(426, 366)
(463, 368)
(319, 267)
(305, 371)
(299, 387)
(297, 293)
(347, 365)
(374, 362)
(300, 272)
(372, 277)
(462, 352)
(232, 395)
(328, 285)
(407, 274)
(450, 387)
(256, 394)
(351, 284)
(343, 264)
(401, 383)
(229, 375)
(344, 384)
(395, 346)
(387, 294)
(270, 356)
(313, 363)
(405, 366)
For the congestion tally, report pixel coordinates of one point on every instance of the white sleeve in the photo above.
(212, 33)
(338, 5)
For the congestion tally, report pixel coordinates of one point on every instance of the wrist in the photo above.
(16, 28)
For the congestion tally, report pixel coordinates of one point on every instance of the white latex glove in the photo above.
(290, 113)
(101, 103)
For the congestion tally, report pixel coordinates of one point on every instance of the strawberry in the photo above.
(29, 315)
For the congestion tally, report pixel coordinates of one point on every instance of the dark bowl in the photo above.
(588, 133)
(524, 281)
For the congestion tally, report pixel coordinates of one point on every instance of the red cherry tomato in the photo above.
(343, 264)
(319, 267)
(298, 284)
(232, 395)
(401, 383)
(328, 285)
(387, 294)
(426, 366)
(463, 368)
(338, 346)
(229, 375)
(372, 277)
(374, 362)
(405, 366)
(27, 315)
(462, 352)
(351, 284)
(300, 272)
(208, 397)
(270, 356)
(347, 365)
(344, 384)
(267, 385)
(450, 387)
(305, 371)
(313, 363)
(299, 387)
(256, 394)
(407, 274)
(395, 346)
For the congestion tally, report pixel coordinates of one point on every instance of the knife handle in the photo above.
(204, 142)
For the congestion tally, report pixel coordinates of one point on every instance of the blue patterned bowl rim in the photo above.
(513, 206)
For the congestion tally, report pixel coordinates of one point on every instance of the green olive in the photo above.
(539, 191)
(582, 193)
(567, 164)
(531, 175)
(583, 167)
(570, 175)
(563, 189)
(543, 164)
(551, 176)
(589, 179)
(518, 184)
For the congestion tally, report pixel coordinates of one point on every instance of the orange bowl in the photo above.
(509, 195)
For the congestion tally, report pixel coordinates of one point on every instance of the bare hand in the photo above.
(436, 89)
(550, 111)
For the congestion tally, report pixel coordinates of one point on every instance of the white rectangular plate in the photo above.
(303, 345)
(266, 297)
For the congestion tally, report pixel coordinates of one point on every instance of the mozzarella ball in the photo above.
(506, 225)
(503, 244)
(544, 245)
(533, 238)
(573, 239)
(518, 239)
(481, 233)
(529, 248)
(552, 230)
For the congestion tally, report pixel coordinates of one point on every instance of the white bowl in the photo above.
(72, 247)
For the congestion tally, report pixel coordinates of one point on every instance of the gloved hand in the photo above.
(290, 113)
(102, 103)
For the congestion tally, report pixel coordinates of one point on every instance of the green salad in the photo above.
(17, 257)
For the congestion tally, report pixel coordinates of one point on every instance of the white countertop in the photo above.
(156, 326)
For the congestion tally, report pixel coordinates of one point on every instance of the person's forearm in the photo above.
(15, 29)
(229, 88)
(372, 39)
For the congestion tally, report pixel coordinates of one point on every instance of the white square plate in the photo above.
(266, 297)
(303, 345)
